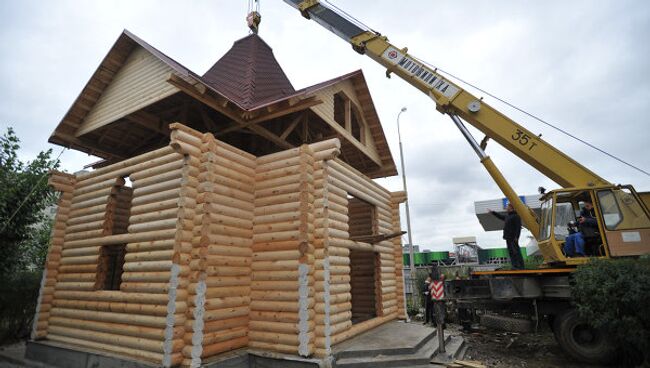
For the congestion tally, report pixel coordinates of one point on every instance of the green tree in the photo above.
(24, 194)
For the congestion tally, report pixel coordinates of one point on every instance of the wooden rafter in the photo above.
(292, 126)
(219, 105)
(207, 120)
(302, 105)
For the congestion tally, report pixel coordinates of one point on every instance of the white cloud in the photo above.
(581, 65)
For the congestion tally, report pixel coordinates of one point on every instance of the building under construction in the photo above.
(228, 211)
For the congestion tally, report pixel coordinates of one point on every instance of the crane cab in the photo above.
(622, 223)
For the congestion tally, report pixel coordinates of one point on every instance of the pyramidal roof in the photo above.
(249, 74)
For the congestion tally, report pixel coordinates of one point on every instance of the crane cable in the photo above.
(31, 192)
(531, 115)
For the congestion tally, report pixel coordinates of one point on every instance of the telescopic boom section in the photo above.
(451, 99)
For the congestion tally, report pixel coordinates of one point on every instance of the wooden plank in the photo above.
(140, 82)
(469, 364)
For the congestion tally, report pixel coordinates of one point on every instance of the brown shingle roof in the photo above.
(249, 74)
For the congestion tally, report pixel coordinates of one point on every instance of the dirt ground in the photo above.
(510, 350)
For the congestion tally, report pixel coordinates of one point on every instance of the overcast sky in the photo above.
(583, 65)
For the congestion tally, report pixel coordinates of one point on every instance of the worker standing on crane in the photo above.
(511, 232)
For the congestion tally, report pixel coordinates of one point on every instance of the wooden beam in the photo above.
(348, 115)
(207, 120)
(292, 126)
(188, 88)
(270, 136)
(345, 134)
(298, 106)
(304, 104)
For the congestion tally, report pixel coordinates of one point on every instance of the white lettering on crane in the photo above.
(420, 71)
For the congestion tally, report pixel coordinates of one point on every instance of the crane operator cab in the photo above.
(577, 224)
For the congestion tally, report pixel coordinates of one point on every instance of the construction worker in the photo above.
(511, 231)
(589, 228)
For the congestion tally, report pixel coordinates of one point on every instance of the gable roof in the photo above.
(249, 74)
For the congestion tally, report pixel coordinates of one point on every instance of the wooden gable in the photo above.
(141, 81)
(134, 94)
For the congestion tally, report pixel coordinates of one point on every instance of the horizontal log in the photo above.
(273, 337)
(211, 187)
(220, 347)
(113, 296)
(148, 266)
(221, 336)
(160, 186)
(225, 313)
(163, 276)
(132, 319)
(220, 325)
(117, 307)
(226, 302)
(101, 192)
(124, 329)
(169, 223)
(156, 197)
(151, 245)
(154, 216)
(155, 207)
(123, 238)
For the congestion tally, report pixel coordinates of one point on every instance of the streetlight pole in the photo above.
(408, 213)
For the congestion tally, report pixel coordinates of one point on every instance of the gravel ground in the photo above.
(510, 350)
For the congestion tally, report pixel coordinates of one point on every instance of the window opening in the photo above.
(111, 257)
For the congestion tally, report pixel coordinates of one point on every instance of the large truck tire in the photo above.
(509, 324)
(581, 341)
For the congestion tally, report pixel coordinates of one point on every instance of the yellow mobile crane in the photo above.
(622, 214)
(623, 218)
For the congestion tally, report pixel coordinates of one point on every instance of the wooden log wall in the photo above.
(223, 250)
(342, 180)
(282, 300)
(138, 320)
(220, 282)
(63, 183)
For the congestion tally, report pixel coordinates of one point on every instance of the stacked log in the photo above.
(344, 181)
(63, 183)
(221, 256)
(282, 302)
(222, 250)
(134, 319)
(397, 198)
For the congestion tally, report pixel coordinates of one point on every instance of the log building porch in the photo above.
(253, 223)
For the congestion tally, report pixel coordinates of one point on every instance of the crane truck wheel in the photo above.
(581, 341)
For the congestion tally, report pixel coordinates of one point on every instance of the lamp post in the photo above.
(408, 214)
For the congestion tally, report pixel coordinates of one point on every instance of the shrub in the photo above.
(18, 295)
(615, 295)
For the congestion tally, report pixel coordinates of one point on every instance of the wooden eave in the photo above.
(242, 119)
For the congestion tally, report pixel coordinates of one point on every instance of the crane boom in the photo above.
(452, 99)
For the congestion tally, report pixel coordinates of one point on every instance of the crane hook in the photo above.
(254, 17)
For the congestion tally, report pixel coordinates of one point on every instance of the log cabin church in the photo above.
(229, 211)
